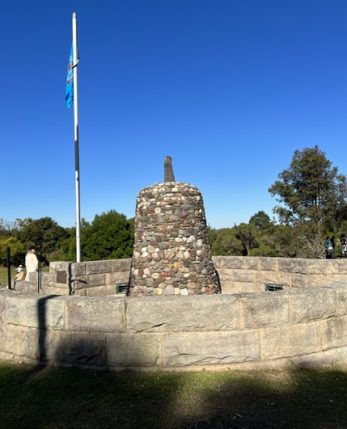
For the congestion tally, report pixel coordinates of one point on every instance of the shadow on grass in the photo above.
(72, 398)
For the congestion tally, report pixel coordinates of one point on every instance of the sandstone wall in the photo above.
(238, 274)
(292, 327)
(84, 279)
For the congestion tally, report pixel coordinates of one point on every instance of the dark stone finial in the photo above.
(168, 171)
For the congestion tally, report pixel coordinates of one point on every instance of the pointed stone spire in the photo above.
(168, 170)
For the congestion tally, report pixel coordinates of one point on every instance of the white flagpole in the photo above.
(76, 137)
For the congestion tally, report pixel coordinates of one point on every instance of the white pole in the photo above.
(76, 137)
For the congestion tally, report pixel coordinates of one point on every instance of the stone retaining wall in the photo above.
(238, 274)
(241, 274)
(295, 326)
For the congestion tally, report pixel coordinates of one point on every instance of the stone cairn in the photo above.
(171, 253)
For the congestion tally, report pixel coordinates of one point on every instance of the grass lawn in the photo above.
(3, 275)
(69, 398)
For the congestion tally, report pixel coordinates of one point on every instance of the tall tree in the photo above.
(313, 194)
(44, 233)
(110, 235)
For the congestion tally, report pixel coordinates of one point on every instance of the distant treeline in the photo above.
(312, 199)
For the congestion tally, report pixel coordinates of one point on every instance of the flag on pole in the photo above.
(69, 90)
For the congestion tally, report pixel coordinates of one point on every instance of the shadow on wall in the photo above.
(302, 398)
(91, 349)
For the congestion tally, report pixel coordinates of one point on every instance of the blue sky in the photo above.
(228, 88)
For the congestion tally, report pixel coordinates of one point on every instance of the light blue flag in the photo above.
(69, 82)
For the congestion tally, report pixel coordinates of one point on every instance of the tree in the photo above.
(261, 220)
(313, 194)
(44, 233)
(246, 233)
(109, 236)
(226, 243)
(17, 250)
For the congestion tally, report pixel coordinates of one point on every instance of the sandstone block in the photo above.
(295, 266)
(184, 349)
(91, 280)
(54, 267)
(230, 287)
(121, 265)
(321, 267)
(36, 311)
(235, 262)
(267, 309)
(95, 314)
(264, 277)
(25, 287)
(292, 340)
(117, 277)
(298, 280)
(246, 287)
(317, 280)
(341, 296)
(267, 264)
(20, 341)
(177, 313)
(341, 266)
(225, 275)
(98, 267)
(244, 276)
(78, 269)
(310, 304)
(100, 291)
(133, 350)
(334, 332)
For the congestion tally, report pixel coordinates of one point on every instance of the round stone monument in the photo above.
(171, 253)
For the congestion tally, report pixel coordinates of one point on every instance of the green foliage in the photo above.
(44, 233)
(313, 195)
(17, 250)
(261, 221)
(311, 189)
(246, 233)
(226, 243)
(109, 236)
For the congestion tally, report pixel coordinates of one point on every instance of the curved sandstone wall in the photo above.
(237, 274)
(296, 326)
(241, 274)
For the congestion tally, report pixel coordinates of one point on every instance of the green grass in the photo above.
(3, 276)
(69, 398)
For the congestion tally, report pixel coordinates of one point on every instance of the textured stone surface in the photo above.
(292, 340)
(39, 312)
(171, 243)
(216, 348)
(268, 309)
(310, 304)
(193, 313)
(96, 314)
(341, 296)
(128, 350)
(174, 331)
(235, 262)
(268, 264)
(334, 332)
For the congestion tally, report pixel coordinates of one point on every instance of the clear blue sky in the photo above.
(228, 88)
